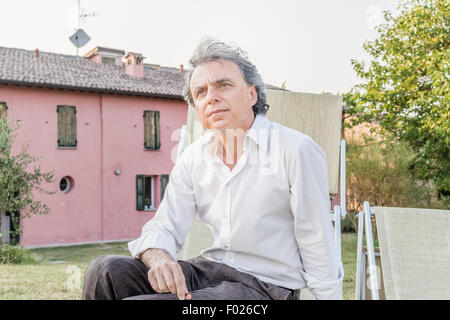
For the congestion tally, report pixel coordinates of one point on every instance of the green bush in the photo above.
(380, 172)
(15, 255)
(347, 224)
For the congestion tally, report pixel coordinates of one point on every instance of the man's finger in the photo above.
(152, 283)
(169, 280)
(180, 282)
(161, 283)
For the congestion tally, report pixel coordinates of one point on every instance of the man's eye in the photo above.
(224, 84)
(200, 92)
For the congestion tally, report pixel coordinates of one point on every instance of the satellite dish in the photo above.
(79, 38)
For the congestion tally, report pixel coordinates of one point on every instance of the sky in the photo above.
(308, 44)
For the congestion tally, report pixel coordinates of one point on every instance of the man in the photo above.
(261, 187)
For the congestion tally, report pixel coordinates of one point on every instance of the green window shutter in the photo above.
(72, 127)
(3, 109)
(164, 182)
(67, 126)
(151, 130)
(140, 192)
(148, 129)
(157, 131)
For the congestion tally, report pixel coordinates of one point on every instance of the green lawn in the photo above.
(58, 272)
(349, 244)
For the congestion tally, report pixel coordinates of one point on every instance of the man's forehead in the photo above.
(213, 71)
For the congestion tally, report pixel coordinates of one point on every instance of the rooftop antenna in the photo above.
(80, 38)
(83, 14)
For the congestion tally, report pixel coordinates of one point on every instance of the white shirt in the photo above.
(270, 215)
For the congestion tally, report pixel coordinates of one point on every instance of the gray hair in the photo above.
(212, 50)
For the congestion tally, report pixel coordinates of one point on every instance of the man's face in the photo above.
(222, 98)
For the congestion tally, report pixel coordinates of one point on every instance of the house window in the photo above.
(66, 184)
(3, 109)
(145, 193)
(151, 130)
(8, 232)
(164, 179)
(67, 126)
(108, 60)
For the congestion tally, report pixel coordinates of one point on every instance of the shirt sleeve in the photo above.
(168, 229)
(310, 205)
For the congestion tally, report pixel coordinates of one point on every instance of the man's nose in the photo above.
(212, 96)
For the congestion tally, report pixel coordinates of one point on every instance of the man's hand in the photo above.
(165, 274)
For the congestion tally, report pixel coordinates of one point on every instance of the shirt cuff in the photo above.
(325, 290)
(152, 241)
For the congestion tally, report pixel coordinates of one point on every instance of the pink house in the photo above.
(107, 124)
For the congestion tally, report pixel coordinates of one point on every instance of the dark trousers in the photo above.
(113, 277)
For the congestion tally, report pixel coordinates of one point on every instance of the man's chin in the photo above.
(220, 125)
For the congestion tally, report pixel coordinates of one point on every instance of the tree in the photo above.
(16, 182)
(405, 86)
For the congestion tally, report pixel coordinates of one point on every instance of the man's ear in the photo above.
(253, 94)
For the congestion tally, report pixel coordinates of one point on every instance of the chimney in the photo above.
(36, 53)
(134, 64)
(181, 68)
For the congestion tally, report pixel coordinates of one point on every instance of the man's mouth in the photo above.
(216, 111)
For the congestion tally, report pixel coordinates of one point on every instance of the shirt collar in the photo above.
(259, 131)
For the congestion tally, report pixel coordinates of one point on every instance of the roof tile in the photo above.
(65, 71)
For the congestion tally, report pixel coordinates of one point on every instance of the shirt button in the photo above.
(226, 246)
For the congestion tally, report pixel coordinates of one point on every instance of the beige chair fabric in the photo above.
(415, 252)
(317, 115)
(194, 127)
(200, 237)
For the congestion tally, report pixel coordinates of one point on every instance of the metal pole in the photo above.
(343, 186)
(359, 266)
(373, 277)
(363, 279)
(79, 14)
(78, 23)
(337, 230)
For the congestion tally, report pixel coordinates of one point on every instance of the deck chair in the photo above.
(414, 247)
(317, 115)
